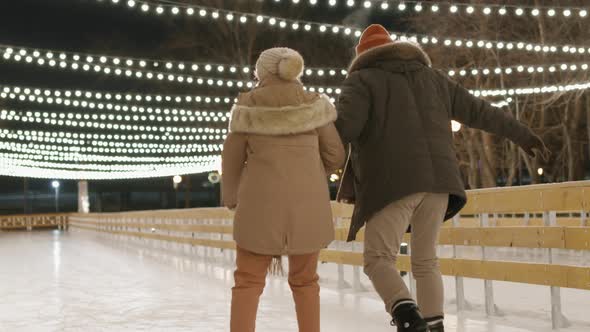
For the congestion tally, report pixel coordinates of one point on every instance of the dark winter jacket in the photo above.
(397, 111)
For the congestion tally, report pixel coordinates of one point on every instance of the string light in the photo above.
(322, 28)
(200, 148)
(455, 7)
(52, 153)
(135, 147)
(67, 59)
(38, 118)
(138, 73)
(118, 138)
(140, 113)
(532, 90)
(164, 66)
(118, 120)
(118, 96)
(11, 52)
(39, 152)
(43, 173)
(15, 159)
(527, 69)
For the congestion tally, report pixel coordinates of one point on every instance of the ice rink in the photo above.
(85, 281)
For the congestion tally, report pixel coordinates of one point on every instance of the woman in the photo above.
(281, 146)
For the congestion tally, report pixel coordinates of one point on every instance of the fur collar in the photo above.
(398, 50)
(288, 120)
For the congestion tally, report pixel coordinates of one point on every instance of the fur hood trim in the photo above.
(288, 120)
(398, 50)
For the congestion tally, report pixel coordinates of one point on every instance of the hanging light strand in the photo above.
(137, 147)
(10, 169)
(204, 12)
(18, 54)
(454, 8)
(72, 137)
(92, 108)
(125, 66)
(546, 89)
(48, 154)
(15, 159)
(202, 148)
(37, 117)
(520, 69)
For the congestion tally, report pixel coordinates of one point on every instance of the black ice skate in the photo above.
(435, 324)
(407, 317)
(437, 328)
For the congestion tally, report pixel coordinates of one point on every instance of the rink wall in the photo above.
(34, 221)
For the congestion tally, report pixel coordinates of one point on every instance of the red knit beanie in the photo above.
(373, 36)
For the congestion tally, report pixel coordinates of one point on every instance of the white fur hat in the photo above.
(283, 62)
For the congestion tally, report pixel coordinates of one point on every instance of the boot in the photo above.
(437, 328)
(435, 324)
(407, 317)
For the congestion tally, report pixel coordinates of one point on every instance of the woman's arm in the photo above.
(233, 160)
(331, 148)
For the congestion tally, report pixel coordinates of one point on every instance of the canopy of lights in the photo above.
(96, 135)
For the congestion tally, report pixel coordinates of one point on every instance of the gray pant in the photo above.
(383, 235)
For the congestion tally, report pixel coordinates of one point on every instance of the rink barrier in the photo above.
(571, 238)
(33, 221)
(530, 273)
(542, 217)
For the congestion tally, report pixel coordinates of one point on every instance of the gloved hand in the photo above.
(346, 193)
(536, 147)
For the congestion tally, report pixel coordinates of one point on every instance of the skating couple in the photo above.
(395, 111)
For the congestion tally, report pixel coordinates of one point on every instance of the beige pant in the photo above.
(250, 277)
(383, 236)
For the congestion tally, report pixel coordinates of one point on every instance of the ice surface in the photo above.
(84, 281)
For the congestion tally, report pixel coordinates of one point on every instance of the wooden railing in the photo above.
(551, 218)
(33, 221)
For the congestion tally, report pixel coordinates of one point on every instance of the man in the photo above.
(396, 112)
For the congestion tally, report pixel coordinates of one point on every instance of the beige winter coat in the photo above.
(281, 147)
